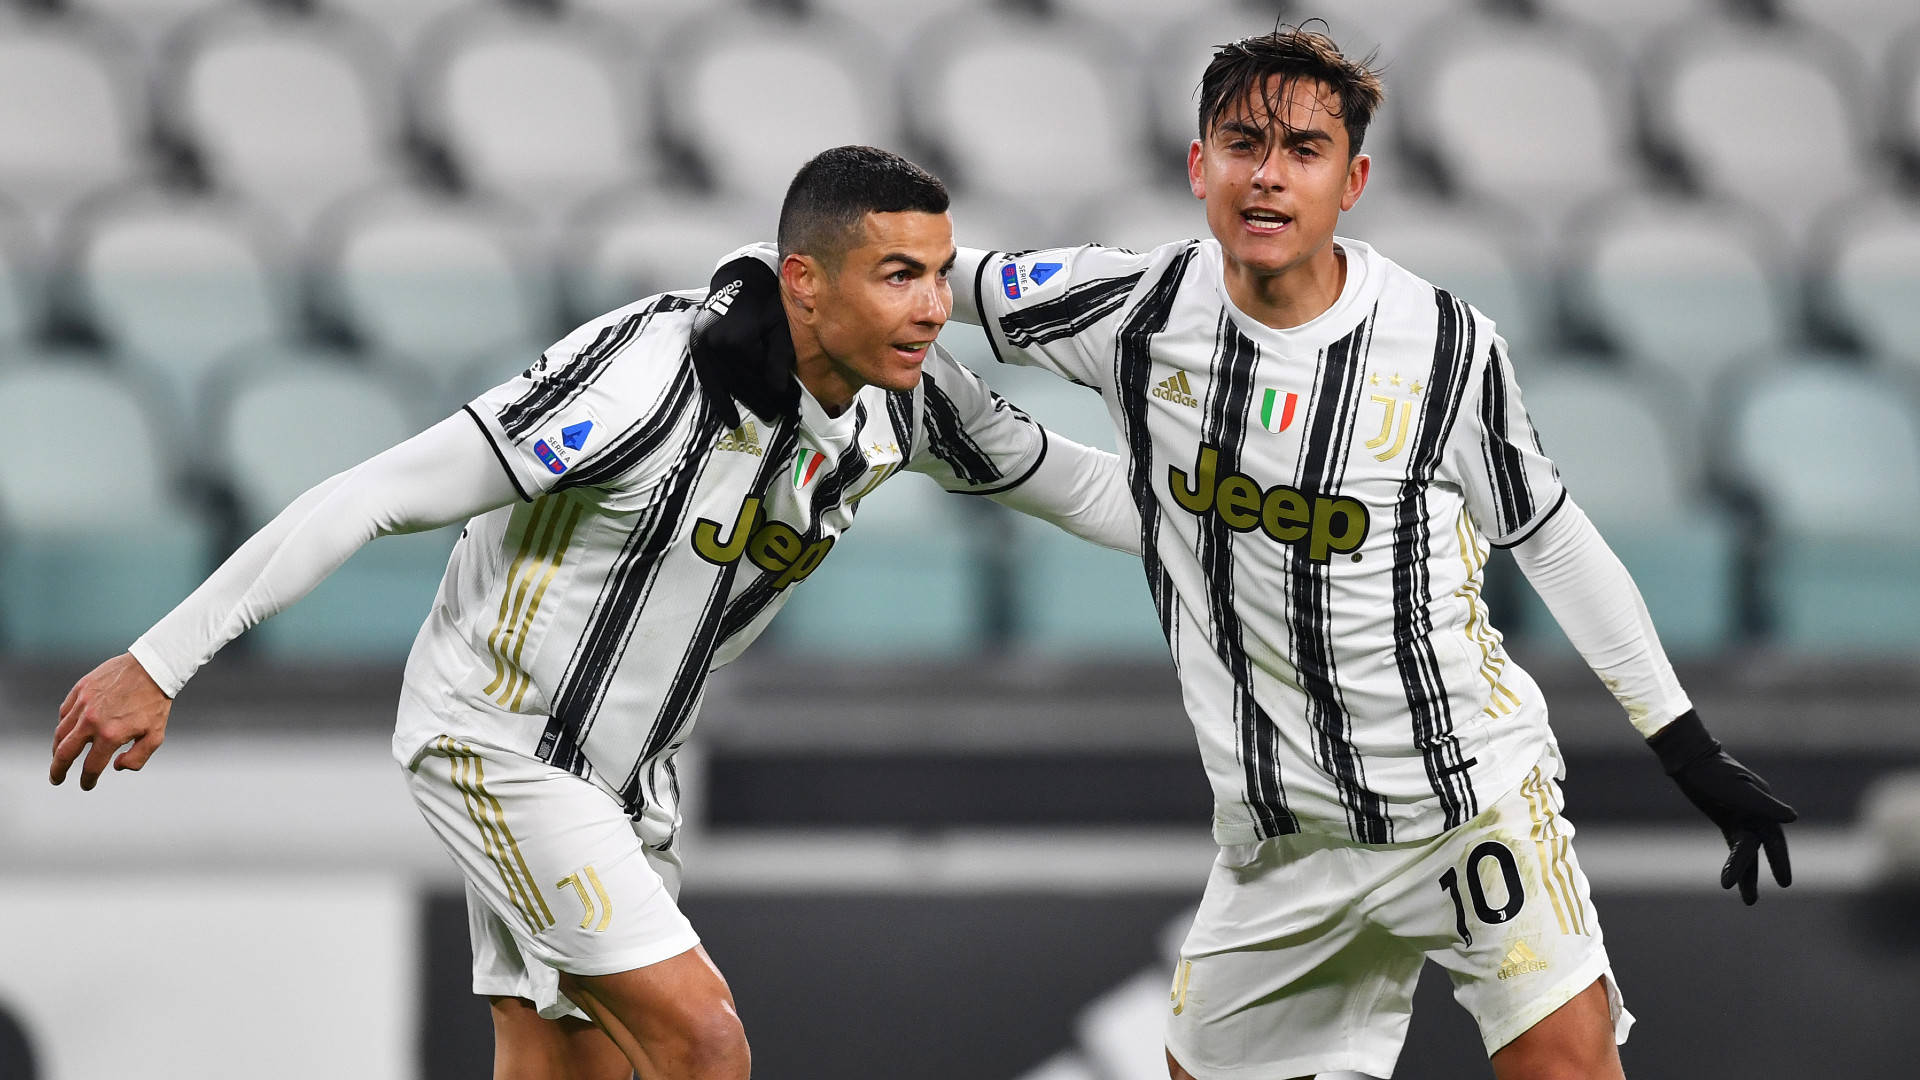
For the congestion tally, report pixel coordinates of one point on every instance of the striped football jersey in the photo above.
(663, 528)
(1316, 507)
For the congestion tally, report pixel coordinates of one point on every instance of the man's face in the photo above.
(1275, 185)
(878, 315)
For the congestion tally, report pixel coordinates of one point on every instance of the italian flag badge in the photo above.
(1276, 410)
(805, 465)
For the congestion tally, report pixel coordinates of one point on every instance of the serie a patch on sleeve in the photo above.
(1021, 277)
(568, 439)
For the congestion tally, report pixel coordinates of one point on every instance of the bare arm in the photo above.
(443, 475)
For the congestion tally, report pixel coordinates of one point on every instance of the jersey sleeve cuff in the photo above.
(988, 324)
(1025, 475)
(521, 480)
(156, 668)
(1526, 532)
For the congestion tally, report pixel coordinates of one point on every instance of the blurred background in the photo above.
(245, 245)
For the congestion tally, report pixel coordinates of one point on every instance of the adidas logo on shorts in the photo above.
(1520, 961)
(1177, 390)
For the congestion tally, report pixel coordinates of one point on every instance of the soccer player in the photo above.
(1323, 447)
(640, 507)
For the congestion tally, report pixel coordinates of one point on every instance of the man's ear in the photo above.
(1196, 176)
(801, 278)
(1357, 172)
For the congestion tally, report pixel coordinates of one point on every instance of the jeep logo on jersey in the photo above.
(775, 547)
(1327, 525)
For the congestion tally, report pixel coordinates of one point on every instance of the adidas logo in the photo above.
(1520, 961)
(720, 301)
(744, 439)
(1177, 390)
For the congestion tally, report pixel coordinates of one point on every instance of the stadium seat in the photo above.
(1871, 283)
(895, 21)
(434, 280)
(1045, 110)
(1485, 254)
(94, 549)
(1145, 21)
(70, 114)
(1631, 23)
(284, 422)
(294, 109)
(180, 281)
(1684, 286)
(1833, 454)
(749, 142)
(1385, 27)
(1625, 450)
(402, 22)
(1869, 26)
(539, 107)
(150, 21)
(640, 242)
(1770, 116)
(1903, 97)
(20, 280)
(1533, 113)
(1143, 220)
(904, 581)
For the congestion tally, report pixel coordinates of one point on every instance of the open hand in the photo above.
(114, 704)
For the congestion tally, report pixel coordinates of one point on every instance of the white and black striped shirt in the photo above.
(663, 528)
(1316, 507)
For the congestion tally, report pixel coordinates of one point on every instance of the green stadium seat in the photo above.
(93, 548)
(1616, 439)
(286, 422)
(1833, 453)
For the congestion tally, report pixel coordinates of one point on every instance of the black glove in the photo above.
(741, 346)
(1733, 798)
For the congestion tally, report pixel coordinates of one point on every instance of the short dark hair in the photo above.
(1294, 54)
(831, 196)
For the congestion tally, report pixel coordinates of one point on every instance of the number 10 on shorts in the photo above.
(1487, 913)
(580, 882)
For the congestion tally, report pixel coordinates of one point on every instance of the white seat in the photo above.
(1632, 23)
(542, 109)
(294, 110)
(894, 21)
(402, 22)
(653, 20)
(69, 115)
(1872, 278)
(1145, 20)
(640, 243)
(1048, 110)
(1534, 114)
(1903, 94)
(1612, 438)
(1867, 25)
(20, 280)
(1832, 451)
(432, 280)
(749, 141)
(1178, 54)
(1383, 26)
(1485, 255)
(1770, 117)
(1144, 219)
(150, 21)
(180, 282)
(1685, 286)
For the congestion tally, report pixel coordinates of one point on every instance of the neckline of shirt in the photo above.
(1357, 295)
(815, 421)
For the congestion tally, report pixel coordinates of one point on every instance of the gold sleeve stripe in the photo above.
(1479, 627)
(558, 555)
(530, 527)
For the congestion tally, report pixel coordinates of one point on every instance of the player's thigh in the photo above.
(1502, 904)
(678, 1014)
(565, 883)
(1281, 977)
(527, 1046)
(1575, 1040)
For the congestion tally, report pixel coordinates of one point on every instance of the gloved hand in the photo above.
(741, 346)
(1733, 798)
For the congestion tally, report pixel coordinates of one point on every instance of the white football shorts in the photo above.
(1305, 952)
(557, 880)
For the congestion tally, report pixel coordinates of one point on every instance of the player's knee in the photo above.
(715, 1043)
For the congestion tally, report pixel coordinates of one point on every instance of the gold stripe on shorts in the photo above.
(490, 818)
(1556, 873)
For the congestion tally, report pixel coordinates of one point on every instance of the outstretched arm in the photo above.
(1082, 490)
(446, 474)
(1596, 602)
